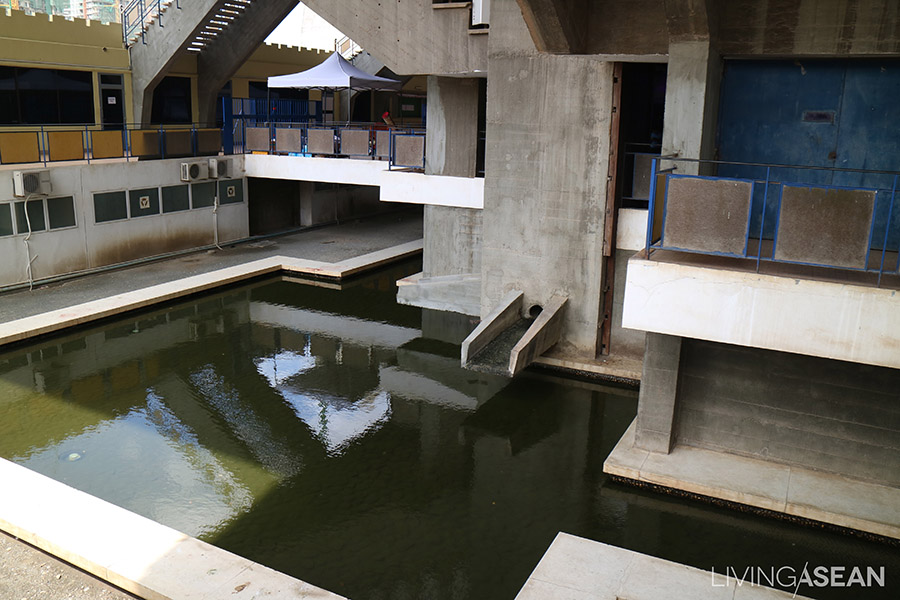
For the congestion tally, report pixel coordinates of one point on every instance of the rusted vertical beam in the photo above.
(611, 217)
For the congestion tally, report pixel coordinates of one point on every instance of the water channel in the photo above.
(331, 434)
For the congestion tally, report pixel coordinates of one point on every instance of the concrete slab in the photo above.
(99, 537)
(615, 367)
(56, 320)
(804, 493)
(575, 568)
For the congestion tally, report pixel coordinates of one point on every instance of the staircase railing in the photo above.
(137, 15)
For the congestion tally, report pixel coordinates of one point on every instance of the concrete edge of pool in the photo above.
(132, 552)
(574, 568)
(794, 491)
(56, 320)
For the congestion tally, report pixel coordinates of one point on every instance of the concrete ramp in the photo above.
(505, 342)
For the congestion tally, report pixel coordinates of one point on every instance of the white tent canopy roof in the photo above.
(334, 72)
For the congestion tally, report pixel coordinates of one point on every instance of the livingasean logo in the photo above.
(788, 577)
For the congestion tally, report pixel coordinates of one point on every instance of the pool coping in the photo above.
(132, 552)
(56, 320)
(575, 568)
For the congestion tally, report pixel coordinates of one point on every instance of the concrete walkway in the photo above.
(330, 244)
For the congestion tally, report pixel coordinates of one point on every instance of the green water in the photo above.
(331, 434)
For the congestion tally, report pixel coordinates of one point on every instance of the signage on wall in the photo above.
(145, 202)
(231, 191)
(111, 100)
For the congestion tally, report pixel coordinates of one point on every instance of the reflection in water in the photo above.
(332, 435)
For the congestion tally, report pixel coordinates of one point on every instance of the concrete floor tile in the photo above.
(535, 589)
(583, 565)
(649, 578)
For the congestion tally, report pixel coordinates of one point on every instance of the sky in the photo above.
(306, 29)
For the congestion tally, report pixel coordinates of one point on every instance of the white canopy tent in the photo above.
(335, 72)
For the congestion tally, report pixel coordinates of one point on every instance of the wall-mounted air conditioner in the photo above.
(194, 171)
(219, 168)
(26, 183)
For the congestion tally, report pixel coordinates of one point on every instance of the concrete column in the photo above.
(452, 241)
(692, 100)
(659, 387)
(452, 129)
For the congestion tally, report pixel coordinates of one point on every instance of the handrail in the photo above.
(786, 211)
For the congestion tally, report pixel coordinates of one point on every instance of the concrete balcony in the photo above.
(793, 261)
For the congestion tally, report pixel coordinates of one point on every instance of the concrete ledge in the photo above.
(814, 495)
(20, 329)
(507, 312)
(396, 186)
(130, 551)
(574, 568)
(817, 318)
(454, 293)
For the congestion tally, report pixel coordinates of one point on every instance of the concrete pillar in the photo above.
(452, 128)
(452, 241)
(659, 388)
(546, 168)
(692, 100)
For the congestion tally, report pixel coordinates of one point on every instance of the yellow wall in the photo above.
(55, 43)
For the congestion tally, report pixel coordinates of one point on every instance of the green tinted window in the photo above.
(110, 206)
(61, 212)
(231, 190)
(35, 216)
(6, 227)
(175, 198)
(144, 202)
(203, 194)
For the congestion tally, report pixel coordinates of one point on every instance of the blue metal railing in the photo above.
(791, 214)
(54, 143)
(252, 135)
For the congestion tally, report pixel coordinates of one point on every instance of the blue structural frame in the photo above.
(873, 239)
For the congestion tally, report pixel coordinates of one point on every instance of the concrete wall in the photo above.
(410, 36)
(453, 238)
(452, 130)
(820, 318)
(823, 414)
(809, 27)
(547, 155)
(92, 244)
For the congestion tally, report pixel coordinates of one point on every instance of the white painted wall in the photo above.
(396, 186)
(91, 244)
(817, 318)
(631, 229)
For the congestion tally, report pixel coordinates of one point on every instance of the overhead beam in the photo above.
(690, 20)
(220, 59)
(556, 26)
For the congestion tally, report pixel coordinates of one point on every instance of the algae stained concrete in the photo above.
(548, 128)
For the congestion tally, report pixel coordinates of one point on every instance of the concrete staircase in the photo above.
(222, 33)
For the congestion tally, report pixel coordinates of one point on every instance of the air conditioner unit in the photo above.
(194, 171)
(26, 183)
(219, 168)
